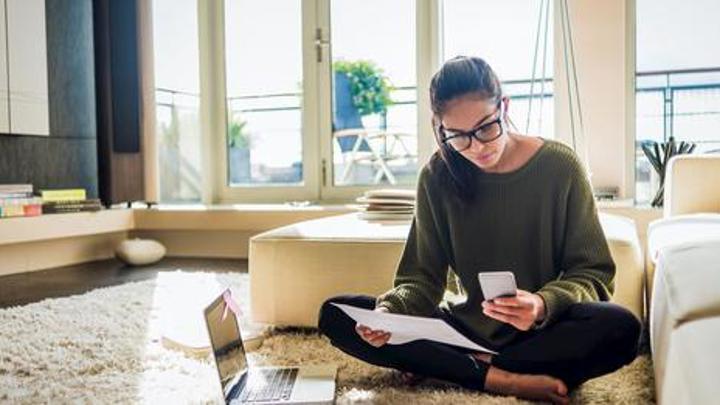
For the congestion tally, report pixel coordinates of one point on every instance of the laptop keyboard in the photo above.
(265, 385)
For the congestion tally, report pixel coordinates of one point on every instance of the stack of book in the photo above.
(387, 205)
(68, 200)
(17, 200)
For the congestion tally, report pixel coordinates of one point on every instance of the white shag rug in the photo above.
(104, 346)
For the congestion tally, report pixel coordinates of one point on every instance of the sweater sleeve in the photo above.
(587, 269)
(421, 275)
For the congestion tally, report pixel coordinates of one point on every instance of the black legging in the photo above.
(587, 341)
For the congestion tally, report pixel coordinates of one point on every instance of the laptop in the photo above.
(242, 384)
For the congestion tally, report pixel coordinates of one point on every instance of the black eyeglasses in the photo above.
(483, 133)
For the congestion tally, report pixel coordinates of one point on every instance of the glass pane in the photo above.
(696, 114)
(177, 99)
(480, 28)
(374, 92)
(678, 81)
(674, 34)
(263, 50)
(649, 115)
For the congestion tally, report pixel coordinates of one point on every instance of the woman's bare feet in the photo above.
(528, 386)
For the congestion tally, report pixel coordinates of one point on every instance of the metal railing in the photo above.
(701, 85)
(665, 94)
(669, 91)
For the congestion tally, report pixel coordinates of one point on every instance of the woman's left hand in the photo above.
(521, 311)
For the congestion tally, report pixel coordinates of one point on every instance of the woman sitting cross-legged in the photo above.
(491, 199)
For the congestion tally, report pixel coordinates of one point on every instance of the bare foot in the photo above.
(527, 386)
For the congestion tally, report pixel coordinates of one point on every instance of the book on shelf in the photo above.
(57, 207)
(70, 194)
(16, 188)
(20, 207)
(17, 200)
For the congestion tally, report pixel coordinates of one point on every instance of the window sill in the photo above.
(231, 217)
(56, 226)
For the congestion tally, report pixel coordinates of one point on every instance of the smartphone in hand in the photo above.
(497, 284)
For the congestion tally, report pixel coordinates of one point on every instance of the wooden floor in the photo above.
(20, 289)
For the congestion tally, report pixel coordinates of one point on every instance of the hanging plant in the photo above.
(659, 155)
(369, 86)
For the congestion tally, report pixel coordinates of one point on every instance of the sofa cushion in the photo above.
(693, 364)
(691, 277)
(681, 229)
(692, 184)
(685, 290)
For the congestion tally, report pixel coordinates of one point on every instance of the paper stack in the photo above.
(387, 205)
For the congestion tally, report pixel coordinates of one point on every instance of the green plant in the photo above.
(238, 136)
(659, 154)
(369, 86)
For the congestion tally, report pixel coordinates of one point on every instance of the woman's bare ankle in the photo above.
(528, 386)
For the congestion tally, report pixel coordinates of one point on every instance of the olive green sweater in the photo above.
(539, 221)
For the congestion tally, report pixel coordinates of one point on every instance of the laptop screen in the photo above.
(227, 345)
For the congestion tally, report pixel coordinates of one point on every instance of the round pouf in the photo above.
(138, 252)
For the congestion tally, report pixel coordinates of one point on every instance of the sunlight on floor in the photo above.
(176, 320)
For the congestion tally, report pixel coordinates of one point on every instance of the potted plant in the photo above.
(659, 155)
(370, 89)
(239, 144)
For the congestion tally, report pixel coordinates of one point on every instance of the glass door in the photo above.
(368, 95)
(269, 149)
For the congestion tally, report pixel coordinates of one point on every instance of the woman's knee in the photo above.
(631, 328)
(328, 315)
(331, 319)
(622, 330)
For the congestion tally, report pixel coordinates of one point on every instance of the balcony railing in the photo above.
(684, 104)
(680, 103)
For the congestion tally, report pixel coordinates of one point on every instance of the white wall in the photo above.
(604, 41)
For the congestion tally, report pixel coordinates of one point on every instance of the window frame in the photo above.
(317, 112)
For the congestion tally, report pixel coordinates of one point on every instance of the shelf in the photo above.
(55, 226)
(235, 217)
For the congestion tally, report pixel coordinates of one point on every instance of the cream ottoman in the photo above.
(294, 269)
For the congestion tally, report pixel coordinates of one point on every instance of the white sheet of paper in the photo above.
(405, 328)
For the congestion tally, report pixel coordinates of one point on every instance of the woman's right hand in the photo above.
(376, 338)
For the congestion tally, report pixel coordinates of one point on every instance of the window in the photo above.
(505, 34)
(177, 99)
(677, 81)
(374, 91)
(264, 76)
(321, 100)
